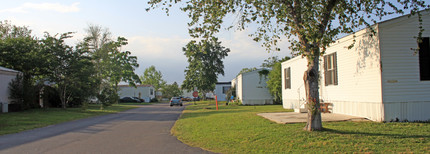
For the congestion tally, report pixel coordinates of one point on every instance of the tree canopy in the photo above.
(204, 64)
(153, 77)
(70, 70)
(274, 82)
(171, 90)
(93, 67)
(113, 65)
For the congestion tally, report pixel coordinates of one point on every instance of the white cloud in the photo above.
(242, 45)
(57, 7)
(165, 53)
(157, 47)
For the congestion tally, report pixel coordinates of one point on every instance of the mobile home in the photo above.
(380, 78)
(251, 88)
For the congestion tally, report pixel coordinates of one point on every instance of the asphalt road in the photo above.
(142, 130)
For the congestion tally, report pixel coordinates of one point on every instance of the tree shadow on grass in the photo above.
(202, 110)
(208, 112)
(343, 132)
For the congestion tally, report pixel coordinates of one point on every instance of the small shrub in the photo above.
(14, 108)
(154, 100)
(51, 98)
(84, 106)
(23, 92)
(236, 102)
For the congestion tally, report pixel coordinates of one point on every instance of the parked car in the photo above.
(94, 100)
(129, 99)
(175, 101)
(196, 99)
(188, 99)
(140, 99)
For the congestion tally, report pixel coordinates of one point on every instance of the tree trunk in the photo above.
(63, 97)
(311, 79)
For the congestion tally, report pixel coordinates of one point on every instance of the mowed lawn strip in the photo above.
(14, 122)
(237, 129)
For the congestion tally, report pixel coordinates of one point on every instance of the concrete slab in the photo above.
(293, 117)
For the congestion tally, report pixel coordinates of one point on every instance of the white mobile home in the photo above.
(6, 76)
(221, 89)
(251, 88)
(380, 78)
(146, 92)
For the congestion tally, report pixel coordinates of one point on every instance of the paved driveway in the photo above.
(293, 117)
(142, 130)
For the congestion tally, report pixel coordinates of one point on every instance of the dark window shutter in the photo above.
(325, 70)
(289, 78)
(424, 58)
(285, 78)
(335, 68)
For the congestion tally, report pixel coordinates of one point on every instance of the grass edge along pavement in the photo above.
(238, 129)
(14, 122)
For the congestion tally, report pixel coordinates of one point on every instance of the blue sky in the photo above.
(155, 38)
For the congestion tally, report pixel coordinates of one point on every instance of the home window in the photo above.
(330, 69)
(287, 76)
(424, 58)
(151, 91)
(225, 89)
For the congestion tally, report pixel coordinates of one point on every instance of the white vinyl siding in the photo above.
(405, 95)
(5, 78)
(294, 96)
(358, 91)
(139, 91)
(221, 90)
(252, 90)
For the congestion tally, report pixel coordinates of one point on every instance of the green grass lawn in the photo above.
(237, 129)
(14, 122)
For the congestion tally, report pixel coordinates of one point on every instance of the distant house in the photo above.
(380, 78)
(146, 92)
(251, 88)
(221, 89)
(6, 76)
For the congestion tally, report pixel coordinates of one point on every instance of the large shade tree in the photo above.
(112, 64)
(21, 51)
(171, 90)
(204, 64)
(153, 77)
(274, 82)
(70, 70)
(309, 25)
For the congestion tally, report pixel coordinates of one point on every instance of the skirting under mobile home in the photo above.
(380, 78)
